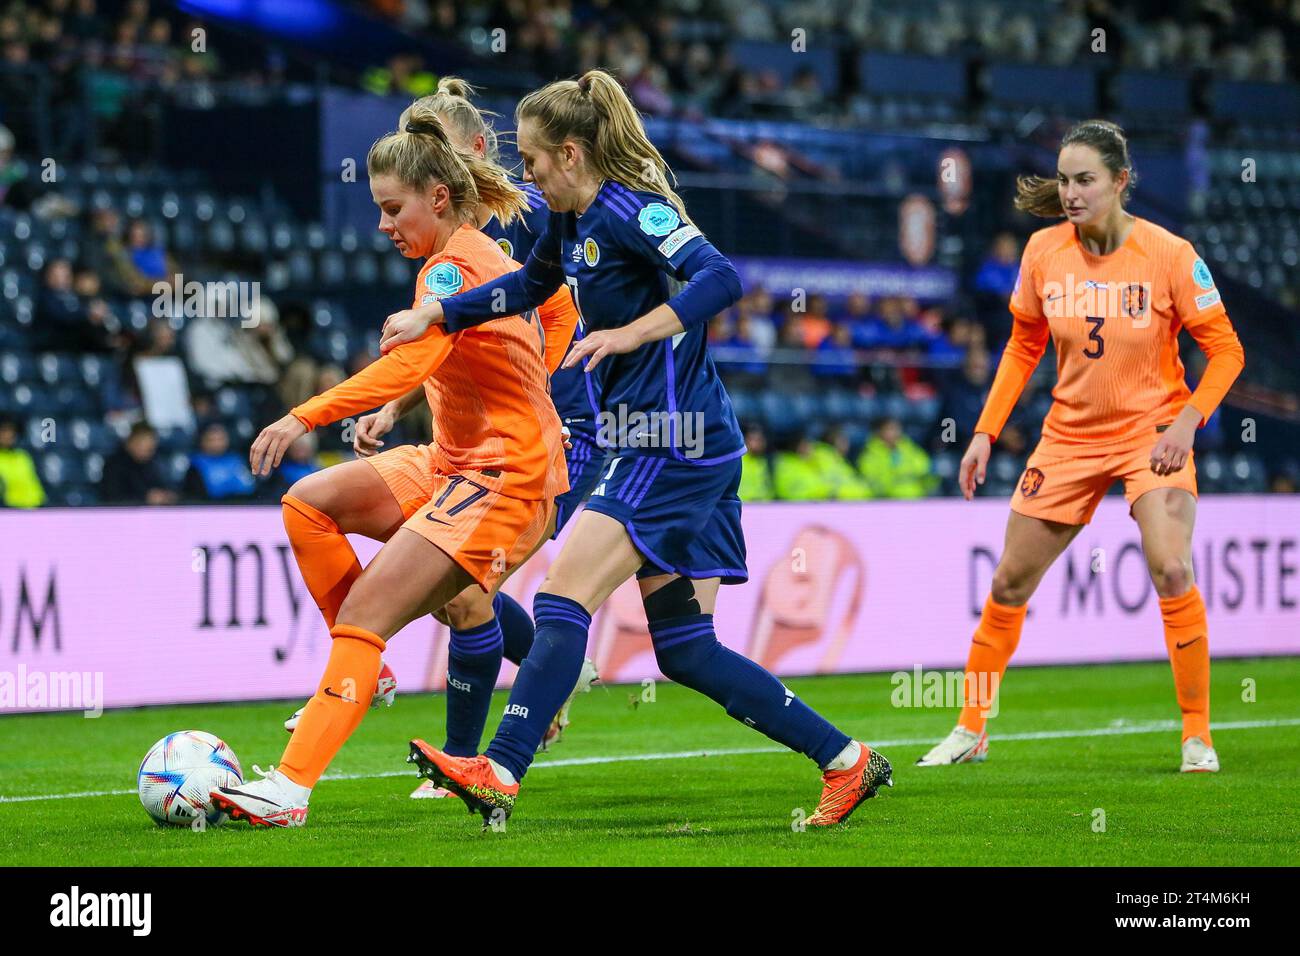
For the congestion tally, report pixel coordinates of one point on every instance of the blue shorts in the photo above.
(585, 460)
(684, 519)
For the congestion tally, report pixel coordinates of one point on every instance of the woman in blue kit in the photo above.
(665, 507)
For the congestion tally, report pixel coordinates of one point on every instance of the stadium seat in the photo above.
(89, 435)
(232, 402)
(17, 368)
(837, 405)
(56, 369)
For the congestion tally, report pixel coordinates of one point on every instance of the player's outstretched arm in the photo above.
(391, 377)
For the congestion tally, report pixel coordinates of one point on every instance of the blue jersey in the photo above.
(622, 258)
(568, 385)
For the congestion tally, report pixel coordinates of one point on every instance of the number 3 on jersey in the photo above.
(1098, 346)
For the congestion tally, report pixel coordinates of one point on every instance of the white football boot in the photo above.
(960, 746)
(1199, 757)
(586, 677)
(385, 693)
(273, 801)
(428, 790)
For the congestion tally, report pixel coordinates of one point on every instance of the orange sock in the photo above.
(991, 648)
(325, 558)
(336, 709)
(1187, 639)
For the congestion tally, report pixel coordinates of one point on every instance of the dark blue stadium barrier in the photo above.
(899, 74)
(1139, 93)
(1070, 89)
(760, 55)
(1274, 102)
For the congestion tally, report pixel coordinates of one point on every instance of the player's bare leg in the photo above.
(409, 578)
(1166, 518)
(319, 510)
(1030, 547)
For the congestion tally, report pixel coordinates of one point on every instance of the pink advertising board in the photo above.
(205, 604)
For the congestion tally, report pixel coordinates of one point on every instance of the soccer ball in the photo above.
(179, 772)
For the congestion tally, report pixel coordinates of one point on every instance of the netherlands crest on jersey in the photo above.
(1201, 274)
(658, 219)
(444, 279)
(590, 252)
(506, 247)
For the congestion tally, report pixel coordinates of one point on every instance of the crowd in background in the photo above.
(676, 56)
(672, 61)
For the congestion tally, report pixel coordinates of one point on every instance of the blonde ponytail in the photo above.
(452, 103)
(420, 154)
(595, 112)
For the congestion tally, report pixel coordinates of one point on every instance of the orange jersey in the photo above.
(487, 386)
(1114, 321)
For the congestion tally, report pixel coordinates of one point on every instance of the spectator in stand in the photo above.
(107, 255)
(20, 486)
(149, 257)
(994, 282)
(893, 465)
(796, 475)
(739, 357)
(132, 475)
(217, 473)
(997, 273)
(831, 456)
(220, 349)
(815, 324)
(894, 328)
(755, 469)
(64, 322)
(721, 328)
(950, 345)
(299, 462)
(856, 310)
(15, 191)
(964, 393)
(757, 308)
(835, 362)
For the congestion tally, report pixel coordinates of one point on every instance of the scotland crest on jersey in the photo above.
(658, 219)
(443, 280)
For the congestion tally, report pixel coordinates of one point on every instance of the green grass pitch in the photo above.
(1075, 741)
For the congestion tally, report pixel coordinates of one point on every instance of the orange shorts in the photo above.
(1068, 489)
(485, 532)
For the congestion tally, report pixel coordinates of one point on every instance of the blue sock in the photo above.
(516, 627)
(545, 680)
(473, 663)
(688, 652)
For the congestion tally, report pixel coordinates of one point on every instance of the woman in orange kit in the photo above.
(1112, 291)
(463, 510)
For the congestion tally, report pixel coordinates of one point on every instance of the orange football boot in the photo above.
(843, 790)
(470, 778)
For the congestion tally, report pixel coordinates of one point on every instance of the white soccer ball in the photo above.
(178, 774)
